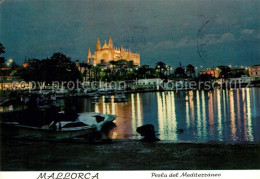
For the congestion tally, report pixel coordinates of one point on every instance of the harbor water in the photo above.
(219, 115)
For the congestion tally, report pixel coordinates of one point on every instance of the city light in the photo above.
(10, 60)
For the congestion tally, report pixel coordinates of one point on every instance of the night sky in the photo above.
(223, 32)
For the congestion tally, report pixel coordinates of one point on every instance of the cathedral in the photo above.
(108, 53)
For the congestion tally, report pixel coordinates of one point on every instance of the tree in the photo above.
(89, 66)
(205, 77)
(113, 63)
(161, 66)
(13, 65)
(2, 51)
(85, 66)
(225, 71)
(107, 74)
(190, 70)
(57, 68)
(143, 71)
(179, 72)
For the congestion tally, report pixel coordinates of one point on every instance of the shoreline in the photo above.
(126, 154)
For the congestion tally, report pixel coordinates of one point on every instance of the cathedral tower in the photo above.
(89, 56)
(107, 52)
(110, 43)
(98, 46)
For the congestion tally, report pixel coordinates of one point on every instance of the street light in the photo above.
(10, 60)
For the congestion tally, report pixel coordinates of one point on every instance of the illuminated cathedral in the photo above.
(108, 53)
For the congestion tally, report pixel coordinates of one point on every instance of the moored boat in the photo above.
(107, 98)
(123, 97)
(85, 124)
(116, 99)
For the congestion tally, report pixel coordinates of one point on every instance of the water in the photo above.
(219, 115)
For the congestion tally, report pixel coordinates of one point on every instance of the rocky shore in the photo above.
(30, 155)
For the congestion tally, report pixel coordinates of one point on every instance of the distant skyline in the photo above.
(170, 31)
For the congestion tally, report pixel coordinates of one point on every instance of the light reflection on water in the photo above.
(10, 108)
(219, 115)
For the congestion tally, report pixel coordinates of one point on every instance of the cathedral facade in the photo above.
(108, 53)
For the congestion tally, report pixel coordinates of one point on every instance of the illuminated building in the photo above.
(108, 53)
(211, 71)
(254, 71)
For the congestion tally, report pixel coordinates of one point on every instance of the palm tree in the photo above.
(89, 66)
(161, 66)
(169, 68)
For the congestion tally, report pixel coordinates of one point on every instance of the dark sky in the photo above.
(161, 30)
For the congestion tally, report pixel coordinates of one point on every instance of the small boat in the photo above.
(53, 97)
(107, 99)
(64, 130)
(61, 91)
(243, 80)
(90, 93)
(111, 91)
(86, 124)
(123, 98)
(95, 99)
(102, 91)
(116, 99)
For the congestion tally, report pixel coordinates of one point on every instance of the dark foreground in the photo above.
(125, 155)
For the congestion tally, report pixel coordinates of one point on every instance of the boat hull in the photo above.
(21, 131)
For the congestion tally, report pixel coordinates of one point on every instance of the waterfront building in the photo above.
(211, 71)
(8, 81)
(238, 72)
(254, 71)
(150, 81)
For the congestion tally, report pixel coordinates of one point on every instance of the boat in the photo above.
(53, 97)
(95, 99)
(67, 130)
(90, 93)
(102, 91)
(61, 91)
(107, 99)
(86, 124)
(244, 79)
(123, 97)
(116, 99)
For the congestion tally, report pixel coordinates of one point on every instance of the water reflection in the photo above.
(167, 116)
(10, 108)
(199, 131)
(210, 113)
(219, 127)
(204, 116)
(232, 115)
(220, 115)
(249, 120)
